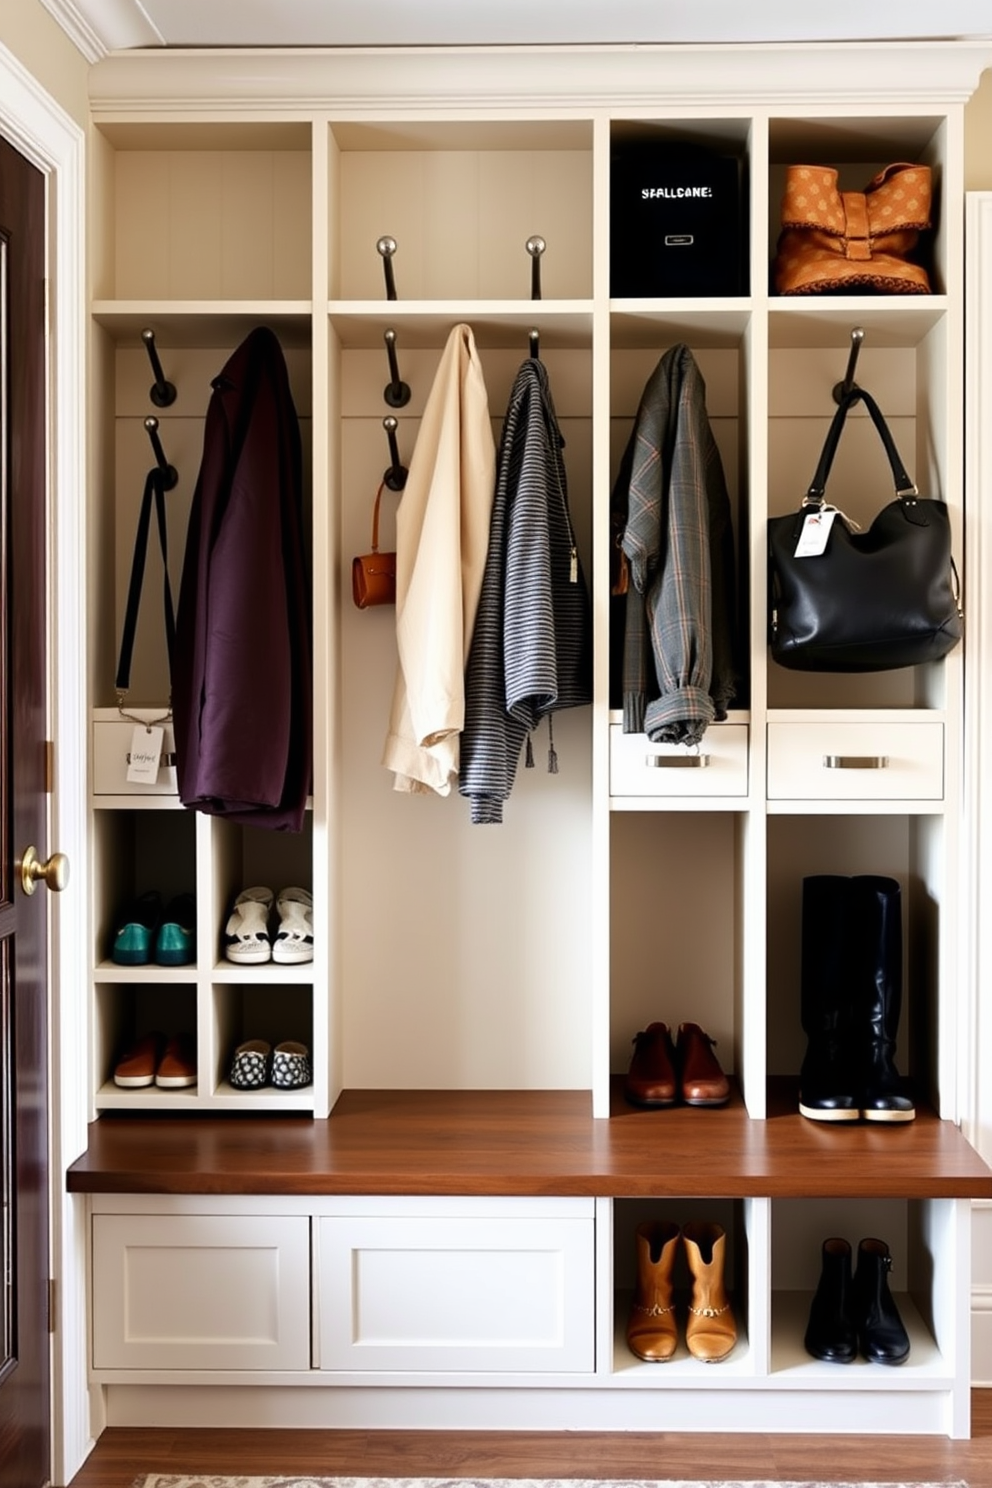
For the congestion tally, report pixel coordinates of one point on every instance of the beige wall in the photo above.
(43, 49)
(978, 137)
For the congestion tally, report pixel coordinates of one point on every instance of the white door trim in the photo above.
(41, 130)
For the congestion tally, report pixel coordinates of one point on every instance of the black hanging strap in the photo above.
(154, 492)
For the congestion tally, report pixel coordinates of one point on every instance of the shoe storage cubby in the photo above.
(475, 991)
(919, 1235)
(733, 1219)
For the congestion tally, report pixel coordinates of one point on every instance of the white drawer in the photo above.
(717, 768)
(201, 1291)
(441, 1294)
(872, 761)
(112, 739)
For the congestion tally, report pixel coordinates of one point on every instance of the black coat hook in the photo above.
(535, 247)
(170, 474)
(841, 389)
(535, 342)
(162, 393)
(395, 476)
(396, 393)
(387, 247)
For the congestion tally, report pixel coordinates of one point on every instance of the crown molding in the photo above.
(122, 23)
(361, 81)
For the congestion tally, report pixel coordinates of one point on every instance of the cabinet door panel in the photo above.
(426, 1294)
(201, 1292)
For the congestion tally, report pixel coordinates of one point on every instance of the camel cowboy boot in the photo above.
(651, 1331)
(710, 1332)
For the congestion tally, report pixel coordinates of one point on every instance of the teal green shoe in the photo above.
(175, 944)
(133, 941)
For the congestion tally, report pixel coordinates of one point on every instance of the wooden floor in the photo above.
(122, 1453)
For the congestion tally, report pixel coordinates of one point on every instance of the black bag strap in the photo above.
(154, 493)
(904, 484)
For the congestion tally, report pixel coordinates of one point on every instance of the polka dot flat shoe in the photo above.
(250, 1065)
(246, 936)
(293, 940)
(291, 1066)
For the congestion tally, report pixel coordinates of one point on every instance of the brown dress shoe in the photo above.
(651, 1331)
(710, 1330)
(701, 1080)
(651, 1077)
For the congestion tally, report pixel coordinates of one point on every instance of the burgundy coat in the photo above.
(241, 671)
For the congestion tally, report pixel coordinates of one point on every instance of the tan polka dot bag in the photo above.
(849, 242)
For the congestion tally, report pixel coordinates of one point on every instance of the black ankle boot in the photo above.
(881, 1335)
(876, 968)
(829, 1084)
(831, 1333)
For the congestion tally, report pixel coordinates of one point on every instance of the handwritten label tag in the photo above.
(813, 538)
(146, 751)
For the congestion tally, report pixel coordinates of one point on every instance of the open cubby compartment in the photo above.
(858, 148)
(422, 888)
(923, 1238)
(670, 870)
(721, 342)
(915, 851)
(904, 363)
(243, 857)
(737, 1218)
(200, 212)
(192, 351)
(126, 1011)
(275, 1012)
(461, 199)
(730, 138)
(136, 851)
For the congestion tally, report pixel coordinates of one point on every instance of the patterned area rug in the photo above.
(170, 1480)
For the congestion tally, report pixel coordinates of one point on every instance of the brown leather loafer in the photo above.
(701, 1080)
(651, 1077)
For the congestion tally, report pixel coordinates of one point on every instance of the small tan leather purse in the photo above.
(843, 242)
(373, 575)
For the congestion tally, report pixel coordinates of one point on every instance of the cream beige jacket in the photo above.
(442, 534)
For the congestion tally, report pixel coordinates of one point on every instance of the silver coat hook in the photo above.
(535, 247)
(387, 247)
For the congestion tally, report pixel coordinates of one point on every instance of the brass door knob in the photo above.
(54, 873)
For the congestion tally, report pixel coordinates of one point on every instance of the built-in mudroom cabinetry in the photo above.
(440, 1228)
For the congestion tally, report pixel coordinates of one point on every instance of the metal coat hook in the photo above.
(170, 474)
(535, 247)
(162, 392)
(395, 476)
(387, 247)
(396, 393)
(535, 342)
(841, 389)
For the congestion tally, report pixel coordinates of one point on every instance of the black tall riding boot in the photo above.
(829, 1086)
(877, 973)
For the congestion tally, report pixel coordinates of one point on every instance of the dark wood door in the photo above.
(24, 1340)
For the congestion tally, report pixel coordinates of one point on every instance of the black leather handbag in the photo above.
(868, 601)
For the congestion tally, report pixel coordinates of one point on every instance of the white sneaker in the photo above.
(293, 942)
(246, 936)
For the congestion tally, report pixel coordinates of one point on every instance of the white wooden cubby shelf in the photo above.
(474, 963)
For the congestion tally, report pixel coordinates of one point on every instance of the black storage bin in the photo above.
(677, 221)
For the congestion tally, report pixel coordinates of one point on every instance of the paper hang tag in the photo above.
(146, 752)
(816, 529)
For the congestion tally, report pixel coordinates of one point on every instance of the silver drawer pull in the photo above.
(677, 761)
(855, 761)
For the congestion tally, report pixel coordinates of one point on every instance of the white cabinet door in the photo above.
(201, 1292)
(426, 1293)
